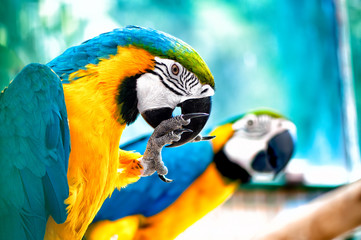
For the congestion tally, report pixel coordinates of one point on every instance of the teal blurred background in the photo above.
(291, 56)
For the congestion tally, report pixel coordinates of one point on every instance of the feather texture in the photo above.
(93, 75)
(34, 151)
(152, 209)
(96, 126)
(105, 45)
(184, 165)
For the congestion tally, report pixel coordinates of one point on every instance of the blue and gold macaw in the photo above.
(205, 173)
(97, 87)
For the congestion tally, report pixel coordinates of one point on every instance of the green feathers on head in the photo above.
(157, 43)
(257, 112)
(166, 46)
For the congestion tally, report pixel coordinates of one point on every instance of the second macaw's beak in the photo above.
(189, 109)
(279, 152)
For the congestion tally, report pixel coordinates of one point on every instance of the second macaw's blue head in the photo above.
(142, 71)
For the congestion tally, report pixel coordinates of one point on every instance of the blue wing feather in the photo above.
(34, 152)
(149, 195)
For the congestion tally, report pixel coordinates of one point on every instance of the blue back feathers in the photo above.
(34, 152)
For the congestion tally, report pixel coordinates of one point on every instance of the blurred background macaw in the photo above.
(302, 58)
(206, 174)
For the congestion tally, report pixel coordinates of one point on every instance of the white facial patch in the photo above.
(252, 134)
(152, 94)
(168, 85)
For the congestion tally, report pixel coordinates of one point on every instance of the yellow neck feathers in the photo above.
(204, 195)
(95, 134)
(223, 134)
(102, 81)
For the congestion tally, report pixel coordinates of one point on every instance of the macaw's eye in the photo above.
(175, 69)
(250, 123)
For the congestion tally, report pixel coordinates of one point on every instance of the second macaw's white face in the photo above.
(261, 144)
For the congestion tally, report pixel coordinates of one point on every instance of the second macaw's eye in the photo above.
(250, 123)
(175, 69)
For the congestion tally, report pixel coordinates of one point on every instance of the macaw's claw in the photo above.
(182, 130)
(166, 132)
(193, 115)
(207, 138)
(164, 179)
(195, 122)
(201, 138)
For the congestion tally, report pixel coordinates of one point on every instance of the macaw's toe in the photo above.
(198, 110)
(195, 114)
(166, 132)
(151, 166)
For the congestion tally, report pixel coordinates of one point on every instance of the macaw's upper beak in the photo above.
(200, 105)
(279, 152)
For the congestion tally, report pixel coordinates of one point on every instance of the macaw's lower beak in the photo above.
(279, 152)
(201, 105)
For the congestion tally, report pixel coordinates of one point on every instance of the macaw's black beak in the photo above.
(279, 152)
(201, 105)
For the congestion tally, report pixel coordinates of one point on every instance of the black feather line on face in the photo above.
(229, 169)
(127, 100)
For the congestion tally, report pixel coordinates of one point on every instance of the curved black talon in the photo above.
(164, 179)
(207, 138)
(182, 130)
(201, 138)
(195, 126)
(187, 116)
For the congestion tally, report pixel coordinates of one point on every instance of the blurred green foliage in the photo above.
(27, 34)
